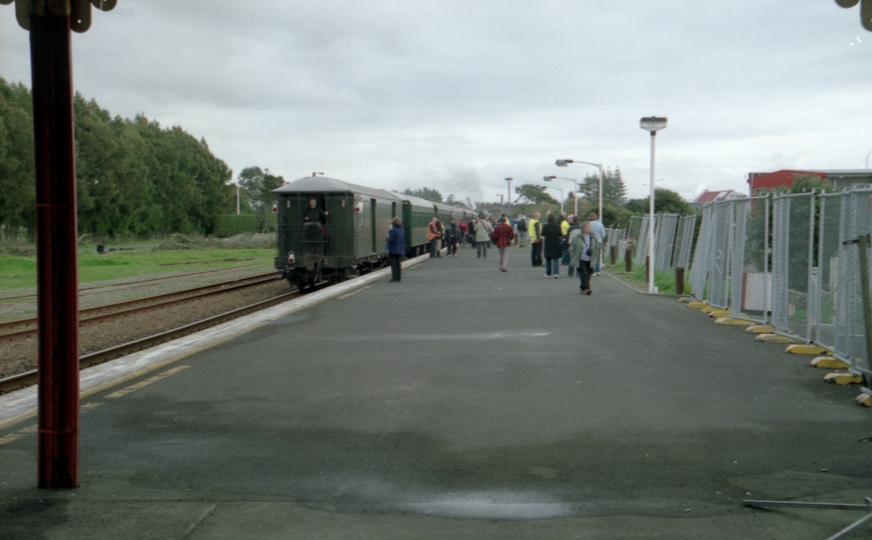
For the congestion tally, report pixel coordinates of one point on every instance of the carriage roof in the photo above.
(324, 184)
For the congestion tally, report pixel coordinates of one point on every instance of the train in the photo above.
(350, 237)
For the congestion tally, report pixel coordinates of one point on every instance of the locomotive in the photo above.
(343, 232)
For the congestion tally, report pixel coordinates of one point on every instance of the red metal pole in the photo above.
(57, 271)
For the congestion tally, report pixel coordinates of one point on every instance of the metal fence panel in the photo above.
(752, 280)
(642, 242)
(793, 243)
(665, 241)
(861, 224)
(831, 272)
(717, 293)
(684, 242)
(701, 260)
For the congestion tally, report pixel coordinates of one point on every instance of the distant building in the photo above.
(759, 183)
(713, 196)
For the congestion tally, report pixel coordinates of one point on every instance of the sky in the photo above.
(459, 95)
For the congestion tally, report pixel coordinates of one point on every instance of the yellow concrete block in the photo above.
(729, 321)
(686, 299)
(843, 378)
(828, 362)
(760, 329)
(718, 313)
(805, 349)
(774, 338)
(709, 309)
(697, 305)
(864, 400)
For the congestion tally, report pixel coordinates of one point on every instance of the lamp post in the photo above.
(652, 124)
(574, 181)
(509, 200)
(561, 195)
(566, 162)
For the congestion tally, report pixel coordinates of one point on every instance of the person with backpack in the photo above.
(522, 232)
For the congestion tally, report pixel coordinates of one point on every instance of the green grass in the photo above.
(20, 272)
(664, 281)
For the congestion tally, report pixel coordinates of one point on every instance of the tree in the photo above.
(665, 201)
(259, 185)
(534, 194)
(17, 187)
(613, 186)
(425, 193)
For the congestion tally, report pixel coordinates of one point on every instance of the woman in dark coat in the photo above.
(552, 250)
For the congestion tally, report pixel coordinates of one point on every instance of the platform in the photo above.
(463, 402)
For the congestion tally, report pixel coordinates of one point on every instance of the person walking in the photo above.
(599, 231)
(503, 236)
(584, 248)
(551, 248)
(396, 240)
(564, 243)
(482, 237)
(522, 232)
(534, 228)
(451, 234)
(471, 237)
(433, 237)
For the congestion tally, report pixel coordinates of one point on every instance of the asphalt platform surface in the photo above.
(463, 402)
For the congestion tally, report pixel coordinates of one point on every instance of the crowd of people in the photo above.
(559, 239)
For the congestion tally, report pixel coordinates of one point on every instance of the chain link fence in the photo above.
(784, 260)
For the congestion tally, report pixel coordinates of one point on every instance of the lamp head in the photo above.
(563, 162)
(548, 178)
(653, 123)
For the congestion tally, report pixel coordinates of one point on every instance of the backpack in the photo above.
(522, 225)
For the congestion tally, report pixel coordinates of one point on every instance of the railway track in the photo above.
(120, 309)
(29, 378)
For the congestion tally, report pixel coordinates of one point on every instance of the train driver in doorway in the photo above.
(314, 214)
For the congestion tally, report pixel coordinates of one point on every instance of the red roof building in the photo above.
(841, 178)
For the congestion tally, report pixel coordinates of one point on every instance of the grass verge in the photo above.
(19, 272)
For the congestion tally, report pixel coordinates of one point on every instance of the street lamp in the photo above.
(574, 181)
(566, 162)
(509, 180)
(561, 195)
(652, 124)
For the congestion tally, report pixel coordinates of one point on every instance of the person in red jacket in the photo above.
(502, 237)
(463, 227)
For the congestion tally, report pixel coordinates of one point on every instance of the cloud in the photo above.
(460, 95)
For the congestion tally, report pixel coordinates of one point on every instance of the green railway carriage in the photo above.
(349, 238)
(417, 213)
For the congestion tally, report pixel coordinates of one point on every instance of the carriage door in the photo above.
(393, 210)
(372, 214)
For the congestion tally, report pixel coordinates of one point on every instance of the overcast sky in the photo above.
(458, 95)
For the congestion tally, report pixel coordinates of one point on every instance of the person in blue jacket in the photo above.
(396, 240)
